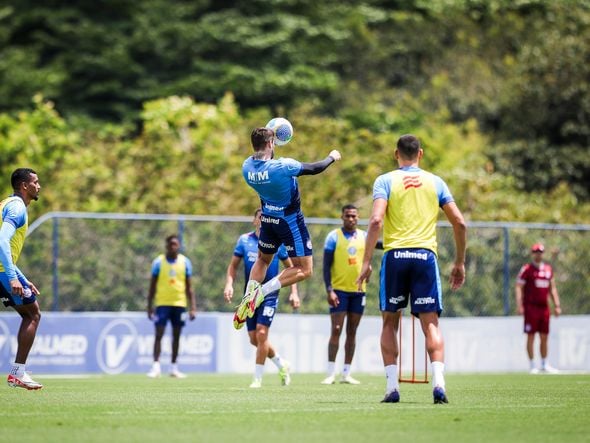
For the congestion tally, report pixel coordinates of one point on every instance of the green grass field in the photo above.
(221, 408)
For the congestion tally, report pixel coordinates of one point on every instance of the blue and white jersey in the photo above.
(275, 182)
(247, 248)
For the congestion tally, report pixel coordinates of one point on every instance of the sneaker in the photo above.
(238, 323)
(534, 371)
(256, 383)
(25, 381)
(391, 397)
(284, 374)
(244, 309)
(177, 374)
(329, 380)
(439, 396)
(547, 369)
(256, 300)
(347, 379)
(155, 372)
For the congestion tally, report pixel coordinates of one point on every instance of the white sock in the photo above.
(174, 367)
(543, 363)
(331, 368)
(532, 363)
(392, 378)
(271, 286)
(278, 361)
(17, 370)
(438, 378)
(346, 370)
(258, 371)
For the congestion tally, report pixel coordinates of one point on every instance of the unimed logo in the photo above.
(116, 346)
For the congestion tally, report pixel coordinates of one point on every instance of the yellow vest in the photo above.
(348, 260)
(171, 286)
(412, 211)
(18, 239)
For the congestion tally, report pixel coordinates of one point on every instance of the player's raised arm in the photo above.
(320, 166)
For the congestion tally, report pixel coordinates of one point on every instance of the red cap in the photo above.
(538, 247)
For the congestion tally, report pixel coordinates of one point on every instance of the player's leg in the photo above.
(544, 316)
(160, 319)
(30, 317)
(177, 322)
(390, 353)
(353, 320)
(435, 347)
(530, 343)
(337, 316)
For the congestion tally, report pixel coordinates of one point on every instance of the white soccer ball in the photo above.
(283, 130)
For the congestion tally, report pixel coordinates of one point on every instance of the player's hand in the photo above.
(457, 277)
(16, 287)
(192, 314)
(228, 293)
(520, 309)
(294, 300)
(150, 313)
(335, 155)
(333, 299)
(33, 288)
(364, 275)
(557, 311)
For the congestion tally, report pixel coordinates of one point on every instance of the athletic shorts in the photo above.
(536, 319)
(265, 313)
(175, 314)
(410, 275)
(349, 302)
(289, 230)
(10, 299)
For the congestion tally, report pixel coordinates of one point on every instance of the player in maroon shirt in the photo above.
(534, 284)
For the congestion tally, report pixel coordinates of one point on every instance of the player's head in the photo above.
(172, 245)
(537, 251)
(256, 219)
(350, 217)
(408, 147)
(261, 137)
(26, 182)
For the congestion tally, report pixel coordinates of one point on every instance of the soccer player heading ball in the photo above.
(282, 222)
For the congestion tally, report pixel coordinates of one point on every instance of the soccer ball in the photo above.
(283, 130)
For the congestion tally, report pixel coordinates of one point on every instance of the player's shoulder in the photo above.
(15, 204)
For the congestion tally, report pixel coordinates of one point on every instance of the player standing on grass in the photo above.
(534, 284)
(406, 202)
(15, 289)
(170, 292)
(343, 255)
(282, 222)
(258, 326)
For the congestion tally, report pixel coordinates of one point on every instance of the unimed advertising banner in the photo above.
(110, 343)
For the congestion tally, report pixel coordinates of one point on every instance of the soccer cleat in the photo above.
(256, 299)
(238, 323)
(549, 370)
(439, 396)
(25, 382)
(329, 380)
(177, 374)
(284, 374)
(256, 383)
(347, 379)
(155, 372)
(534, 371)
(391, 397)
(244, 308)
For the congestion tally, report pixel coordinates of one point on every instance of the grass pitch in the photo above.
(221, 408)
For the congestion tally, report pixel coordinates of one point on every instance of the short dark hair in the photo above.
(172, 237)
(260, 137)
(408, 146)
(20, 175)
(348, 206)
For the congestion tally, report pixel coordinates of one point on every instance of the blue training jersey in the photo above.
(247, 248)
(275, 182)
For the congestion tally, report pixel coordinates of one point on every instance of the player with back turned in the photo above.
(282, 221)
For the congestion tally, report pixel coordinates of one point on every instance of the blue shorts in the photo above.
(410, 274)
(265, 313)
(349, 302)
(8, 298)
(175, 314)
(290, 231)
